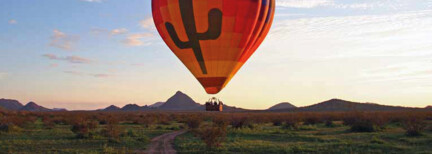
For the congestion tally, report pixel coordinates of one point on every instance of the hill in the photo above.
(280, 106)
(31, 106)
(343, 105)
(111, 108)
(10, 104)
(157, 104)
(179, 101)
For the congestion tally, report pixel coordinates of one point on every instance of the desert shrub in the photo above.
(329, 123)
(291, 123)
(84, 128)
(212, 135)
(164, 121)
(311, 120)
(145, 121)
(112, 131)
(277, 122)
(194, 121)
(9, 128)
(130, 133)
(362, 125)
(48, 122)
(220, 122)
(363, 122)
(17, 120)
(414, 126)
(240, 122)
(143, 139)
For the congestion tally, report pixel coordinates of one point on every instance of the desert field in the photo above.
(236, 132)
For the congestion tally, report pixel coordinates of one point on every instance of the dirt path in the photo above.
(163, 144)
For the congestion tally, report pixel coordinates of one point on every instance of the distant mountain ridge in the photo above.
(182, 102)
(343, 105)
(10, 104)
(178, 102)
(31, 106)
(157, 104)
(283, 105)
(14, 105)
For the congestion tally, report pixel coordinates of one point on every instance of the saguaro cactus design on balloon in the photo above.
(213, 32)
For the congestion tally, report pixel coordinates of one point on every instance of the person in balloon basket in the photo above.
(214, 105)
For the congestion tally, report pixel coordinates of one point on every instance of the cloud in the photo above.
(62, 40)
(337, 4)
(303, 3)
(96, 75)
(119, 31)
(91, 1)
(147, 24)
(70, 59)
(355, 36)
(142, 39)
(12, 21)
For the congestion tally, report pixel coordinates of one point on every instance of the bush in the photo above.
(213, 135)
(112, 131)
(240, 122)
(362, 122)
(329, 123)
(312, 120)
(9, 128)
(277, 122)
(48, 122)
(84, 128)
(291, 123)
(414, 126)
(143, 139)
(194, 121)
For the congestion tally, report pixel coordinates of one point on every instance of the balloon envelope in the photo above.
(213, 38)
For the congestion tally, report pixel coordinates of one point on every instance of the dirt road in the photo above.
(163, 144)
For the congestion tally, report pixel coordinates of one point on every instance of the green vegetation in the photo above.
(60, 139)
(267, 138)
(90, 137)
(210, 132)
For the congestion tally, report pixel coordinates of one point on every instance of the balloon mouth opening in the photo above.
(213, 90)
(212, 85)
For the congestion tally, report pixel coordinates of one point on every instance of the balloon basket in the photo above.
(214, 104)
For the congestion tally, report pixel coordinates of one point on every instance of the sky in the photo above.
(88, 54)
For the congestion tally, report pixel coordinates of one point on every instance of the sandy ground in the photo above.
(163, 144)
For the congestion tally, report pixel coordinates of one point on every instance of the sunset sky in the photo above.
(88, 54)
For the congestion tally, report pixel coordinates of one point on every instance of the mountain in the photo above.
(180, 101)
(342, 105)
(157, 104)
(59, 109)
(10, 104)
(111, 108)
(31, 106)
(428, 107)
(284, 105)
(132, 107)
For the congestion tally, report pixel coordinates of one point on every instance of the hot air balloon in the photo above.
(213, 38)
